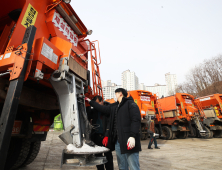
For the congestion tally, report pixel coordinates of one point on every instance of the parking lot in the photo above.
(190, 153)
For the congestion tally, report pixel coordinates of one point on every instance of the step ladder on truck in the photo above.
(44, 71)
(178, 113)
(210, 106)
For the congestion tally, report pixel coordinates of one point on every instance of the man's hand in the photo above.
(87, 99)
(154, 135)
(105, 141)
(131, 143)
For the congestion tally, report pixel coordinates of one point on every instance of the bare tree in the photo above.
(204, 79)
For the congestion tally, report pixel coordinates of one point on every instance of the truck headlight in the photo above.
(67, 1)
(89, 32)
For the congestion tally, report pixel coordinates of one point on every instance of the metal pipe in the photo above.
(2, 74)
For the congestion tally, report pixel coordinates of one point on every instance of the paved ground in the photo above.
(191, 153)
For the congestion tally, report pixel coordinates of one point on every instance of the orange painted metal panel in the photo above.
(168, 103)
(144, 99)
(41, 55)
(211, 100)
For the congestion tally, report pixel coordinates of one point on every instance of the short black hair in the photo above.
(124, 92)
(97, 97)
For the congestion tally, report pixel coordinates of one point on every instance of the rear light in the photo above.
(212, 125)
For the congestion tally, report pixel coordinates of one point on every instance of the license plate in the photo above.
(17, 127)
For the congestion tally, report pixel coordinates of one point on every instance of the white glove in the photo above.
(131, 143)
(154, 134)
(87, 99)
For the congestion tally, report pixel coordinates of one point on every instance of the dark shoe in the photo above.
(150, 148)
(90, 143)
(157, 148)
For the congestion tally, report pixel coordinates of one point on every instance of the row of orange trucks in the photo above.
(48, 66)
(180, 115)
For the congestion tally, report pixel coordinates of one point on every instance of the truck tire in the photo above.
(217, 133)
(167, 133)
(143, 136)
(194, 133)
(211, 134)
(33, 152)
(182, 135)
(173, 135)
(157, 130)
(17, 153)
(208, 134)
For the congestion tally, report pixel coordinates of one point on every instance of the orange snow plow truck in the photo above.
(212, 106)
(180, 117)
(44, 71)
(146, 102)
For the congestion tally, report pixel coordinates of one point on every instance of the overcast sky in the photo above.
(152, 37)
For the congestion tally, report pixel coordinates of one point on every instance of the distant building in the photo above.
(109, 89)
(160, 90)
(106, 83)
(130, 81)
(142, 86)
(171, 83)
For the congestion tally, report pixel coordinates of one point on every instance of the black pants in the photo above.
(152, 139)
(97, 139)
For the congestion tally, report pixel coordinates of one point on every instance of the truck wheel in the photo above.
(33, 152)
(217, 133)
(143, 136)
(194, 133)
(167, 133)
(207, 136)
(17, 153)
(211, 134)
(157, 131)
(173, 135)
(146, 136)
(182, 135)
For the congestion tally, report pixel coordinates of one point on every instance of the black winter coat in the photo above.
(93, 115)
(128, 123)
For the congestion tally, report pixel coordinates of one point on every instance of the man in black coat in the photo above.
(100, 123)
(124, 126)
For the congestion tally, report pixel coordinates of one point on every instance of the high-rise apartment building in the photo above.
(106, 83)
(159, 90)
(142, 86)
(171, 83)
(130, 81)
(109, 89)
